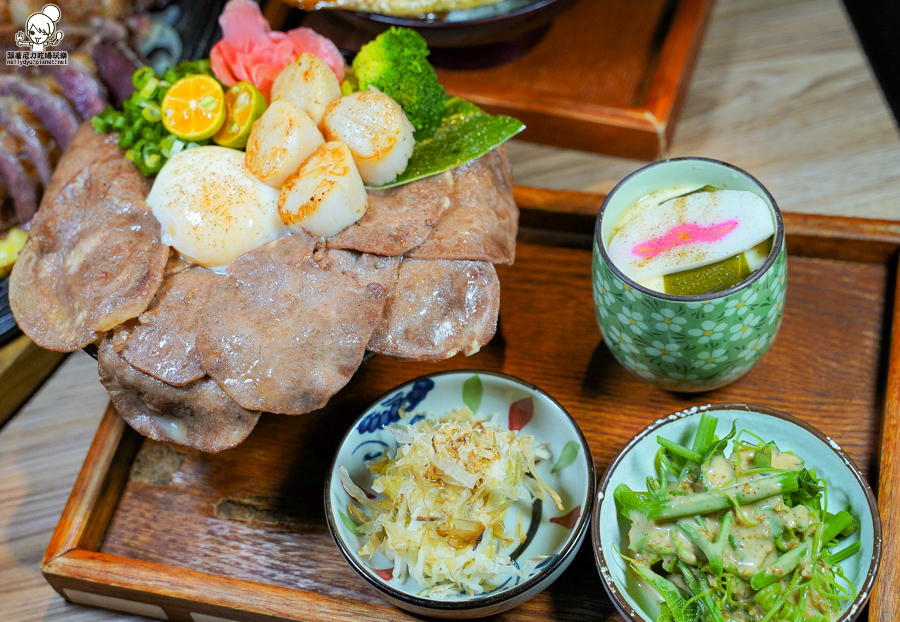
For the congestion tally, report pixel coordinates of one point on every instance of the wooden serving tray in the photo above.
(609, 76)
(241, 535)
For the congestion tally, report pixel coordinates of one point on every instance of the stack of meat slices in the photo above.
(42, 106)
(192, 357)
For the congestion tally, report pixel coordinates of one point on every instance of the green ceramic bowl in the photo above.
(687, 343)
(609, 530)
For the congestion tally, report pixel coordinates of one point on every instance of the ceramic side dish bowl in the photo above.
(687, 343)
(519, 406)
(609, 530)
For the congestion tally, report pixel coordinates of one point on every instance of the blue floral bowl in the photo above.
(518, 406)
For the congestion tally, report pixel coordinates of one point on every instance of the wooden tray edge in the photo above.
(180, 592)
(885, 602)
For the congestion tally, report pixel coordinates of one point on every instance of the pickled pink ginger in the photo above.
(251, 51)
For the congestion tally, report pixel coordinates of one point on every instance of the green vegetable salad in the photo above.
(743, 536)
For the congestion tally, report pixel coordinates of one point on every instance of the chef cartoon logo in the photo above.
(39, 34)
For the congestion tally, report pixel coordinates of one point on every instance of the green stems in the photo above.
(844, 553)
(701, 593)
(714, 551)
(718, 500)
(780, 568)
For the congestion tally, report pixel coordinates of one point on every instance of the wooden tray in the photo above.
(241, 535)
(609, 76)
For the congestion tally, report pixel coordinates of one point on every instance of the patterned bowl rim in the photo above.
(570, 548)
(609, 584)
(773, 254)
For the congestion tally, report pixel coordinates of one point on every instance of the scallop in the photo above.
(377, 131)
(326, 195)
(280, 141)
(309, 84)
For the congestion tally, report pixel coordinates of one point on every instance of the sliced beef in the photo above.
(22, 123)
(198, 415)
(162, 342)
(18, 175)
(365, 267)
(115, 60)
(52, 109)
(93, 259)
(399, 219)
(284, 332)
(439, 308)
(81, 85)
(482, 222)
(176, 264)
(87, 147)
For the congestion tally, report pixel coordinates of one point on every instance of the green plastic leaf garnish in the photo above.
(466, 133)
(472, 392)
(566, 456)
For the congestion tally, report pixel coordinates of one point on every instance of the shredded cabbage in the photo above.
(445, 497)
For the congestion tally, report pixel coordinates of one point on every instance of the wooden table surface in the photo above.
(781, 89)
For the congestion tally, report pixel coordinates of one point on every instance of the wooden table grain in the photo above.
(781, 89)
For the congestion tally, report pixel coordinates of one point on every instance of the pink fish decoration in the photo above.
(680, 235)
(251, 51)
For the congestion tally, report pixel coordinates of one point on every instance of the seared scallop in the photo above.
(280, 141)
(377, 131)
(326, 195)
(309, 84)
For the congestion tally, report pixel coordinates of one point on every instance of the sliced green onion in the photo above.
(140, 77)
(151, 112)
(149, 88)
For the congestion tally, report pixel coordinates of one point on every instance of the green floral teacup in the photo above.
(687, 343)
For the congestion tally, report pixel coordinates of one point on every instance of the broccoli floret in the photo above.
(396, 64)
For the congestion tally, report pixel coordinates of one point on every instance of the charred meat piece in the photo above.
(19, 175)
(52, 109)
(81, 85)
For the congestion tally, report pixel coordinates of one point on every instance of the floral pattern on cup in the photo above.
(689, 345)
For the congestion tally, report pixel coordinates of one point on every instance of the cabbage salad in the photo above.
(446, 493)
